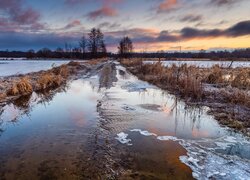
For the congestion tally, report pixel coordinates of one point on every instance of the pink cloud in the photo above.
(18, 16)
(167, 5)
(104, 11)
(73, 2)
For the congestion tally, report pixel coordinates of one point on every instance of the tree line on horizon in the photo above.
(94, 47)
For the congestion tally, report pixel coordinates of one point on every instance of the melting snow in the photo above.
(122, 138)
(144, 133)
(205, 162)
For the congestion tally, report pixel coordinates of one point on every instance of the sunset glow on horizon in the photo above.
(153, 25)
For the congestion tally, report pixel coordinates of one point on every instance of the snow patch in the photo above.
(167, 138)
(122, 138)
(144, 133)
(202, 157)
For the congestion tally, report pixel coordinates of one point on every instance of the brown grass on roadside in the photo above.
(49, 80)
(74, 63)
(132, 62)
(23, 87)
(216, 75)
(242, 80)
(62, 70)
(96, 61)
(238, 97)
(2, 96)
(184, 80)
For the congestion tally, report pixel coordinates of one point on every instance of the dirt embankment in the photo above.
(225, 91)
(14, 87)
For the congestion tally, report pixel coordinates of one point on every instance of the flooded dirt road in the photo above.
(110, 125)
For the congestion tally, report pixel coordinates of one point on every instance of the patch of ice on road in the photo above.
(167, 138)
(122, 138)
(144, 133)
(203, 159)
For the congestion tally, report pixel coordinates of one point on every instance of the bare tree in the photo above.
(96, 42)
(125, 47)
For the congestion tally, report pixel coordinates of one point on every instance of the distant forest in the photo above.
(94, 47)
(47, 53)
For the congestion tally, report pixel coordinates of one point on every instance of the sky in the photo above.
(153, 25)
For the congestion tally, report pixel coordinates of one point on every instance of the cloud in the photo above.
(16, 15)
(191, 18)
(223, 2)
(10, 40)
(152, 36)
(167, 5)
(109, 25)
(75, 2)
(239, 29)
(73, 24)
(104, 11)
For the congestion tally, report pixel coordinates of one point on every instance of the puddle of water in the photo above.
(87, 132)
(46, 141)
(158, 115)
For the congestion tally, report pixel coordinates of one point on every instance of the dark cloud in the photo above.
(10, 40)
(25, 41)
(223, 2)
(108, 25)
(239, 29)
(191, 18)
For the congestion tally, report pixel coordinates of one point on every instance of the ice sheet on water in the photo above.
(122, 138)
(204, 160)
(167, 138)
(144, 133)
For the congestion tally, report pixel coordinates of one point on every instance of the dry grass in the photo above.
(74, 63)
(49, 80)
(237, 97)
(62, 70)
(187, 81)
(216, 75)
(242, 80)
(96, 61)
(182, 80)
(23, 87)
(2, 96)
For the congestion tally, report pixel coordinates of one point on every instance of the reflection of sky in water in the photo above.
(171, 118)
(75, 108)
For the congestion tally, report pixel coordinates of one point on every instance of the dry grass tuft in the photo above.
(49, 80)
(2, 96)
(216, 76)
(61, 70)
(74, 63)
(242, 80)
(23, 87)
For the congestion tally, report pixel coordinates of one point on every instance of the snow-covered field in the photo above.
(14, 67)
